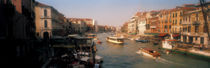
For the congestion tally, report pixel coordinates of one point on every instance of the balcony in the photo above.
(185, 33)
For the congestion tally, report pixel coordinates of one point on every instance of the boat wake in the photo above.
(162, 60)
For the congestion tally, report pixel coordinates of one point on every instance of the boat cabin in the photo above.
(115, 39)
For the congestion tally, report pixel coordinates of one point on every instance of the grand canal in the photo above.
(125, 56)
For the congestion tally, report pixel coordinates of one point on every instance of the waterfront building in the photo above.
(193, 28)
(152, 22)
(43, 20)
(141, 23)
(49, 22)
(132, 26)
(165, 21)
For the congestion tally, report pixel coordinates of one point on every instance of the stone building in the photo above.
(49, 21)
(193, 28)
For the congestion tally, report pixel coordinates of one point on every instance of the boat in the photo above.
(149, 53)
(99, 42)
(117, 40)
(141, 40)
(168, 44)
(85, 56)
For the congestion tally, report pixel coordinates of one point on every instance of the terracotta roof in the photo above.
(138, 14)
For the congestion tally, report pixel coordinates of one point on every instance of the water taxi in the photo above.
(117, 40)
(149, 52)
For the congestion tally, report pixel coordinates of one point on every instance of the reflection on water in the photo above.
(125, 56)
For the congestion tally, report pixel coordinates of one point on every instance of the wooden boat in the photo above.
(149, 53)
(116, 40)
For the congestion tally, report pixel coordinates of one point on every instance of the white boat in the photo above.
(117, 40)
(149, 53)
(86, 57)
(168, 44)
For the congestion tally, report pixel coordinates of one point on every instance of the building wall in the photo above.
(176, 20)
(141, 26)
(18, 5)
(40, 21)
(195, 27)
(131, 27)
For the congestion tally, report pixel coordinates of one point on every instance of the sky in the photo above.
(110, 12)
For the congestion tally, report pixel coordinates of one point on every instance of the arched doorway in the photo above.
(46, 36)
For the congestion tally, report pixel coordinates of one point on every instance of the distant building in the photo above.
(132, 26)
(124, 28)
(78, 25)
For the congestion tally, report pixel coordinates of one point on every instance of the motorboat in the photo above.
(117, 40)
(149, 53)
(141, 40)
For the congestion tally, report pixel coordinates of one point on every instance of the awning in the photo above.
(132, 33)
(162, 34)
(172, 40)
(176, 35)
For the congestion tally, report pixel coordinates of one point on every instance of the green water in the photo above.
(125, 56)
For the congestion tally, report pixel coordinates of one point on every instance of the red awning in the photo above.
(162, 34)
(171, 40)
(175, 35)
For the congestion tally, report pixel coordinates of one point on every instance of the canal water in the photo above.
(125, 56)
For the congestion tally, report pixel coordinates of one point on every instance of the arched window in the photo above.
(45, 12)
(45, 23)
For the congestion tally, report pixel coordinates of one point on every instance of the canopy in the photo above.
(162, 34)
(175, 35)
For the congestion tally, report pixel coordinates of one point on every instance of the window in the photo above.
(189, 29)
(45, 12)
(180, 21)
(202, 40)
(45, 23)
(196, 38)
(169, 26)
(196, 28)
(196, 17)
(181, 13)
(173, 15)
(165, 26)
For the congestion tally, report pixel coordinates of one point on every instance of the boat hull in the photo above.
(116, 42)
(145, 53)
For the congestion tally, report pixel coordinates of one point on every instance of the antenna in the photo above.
(203, 7)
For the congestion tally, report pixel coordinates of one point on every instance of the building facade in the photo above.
(43, 20)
